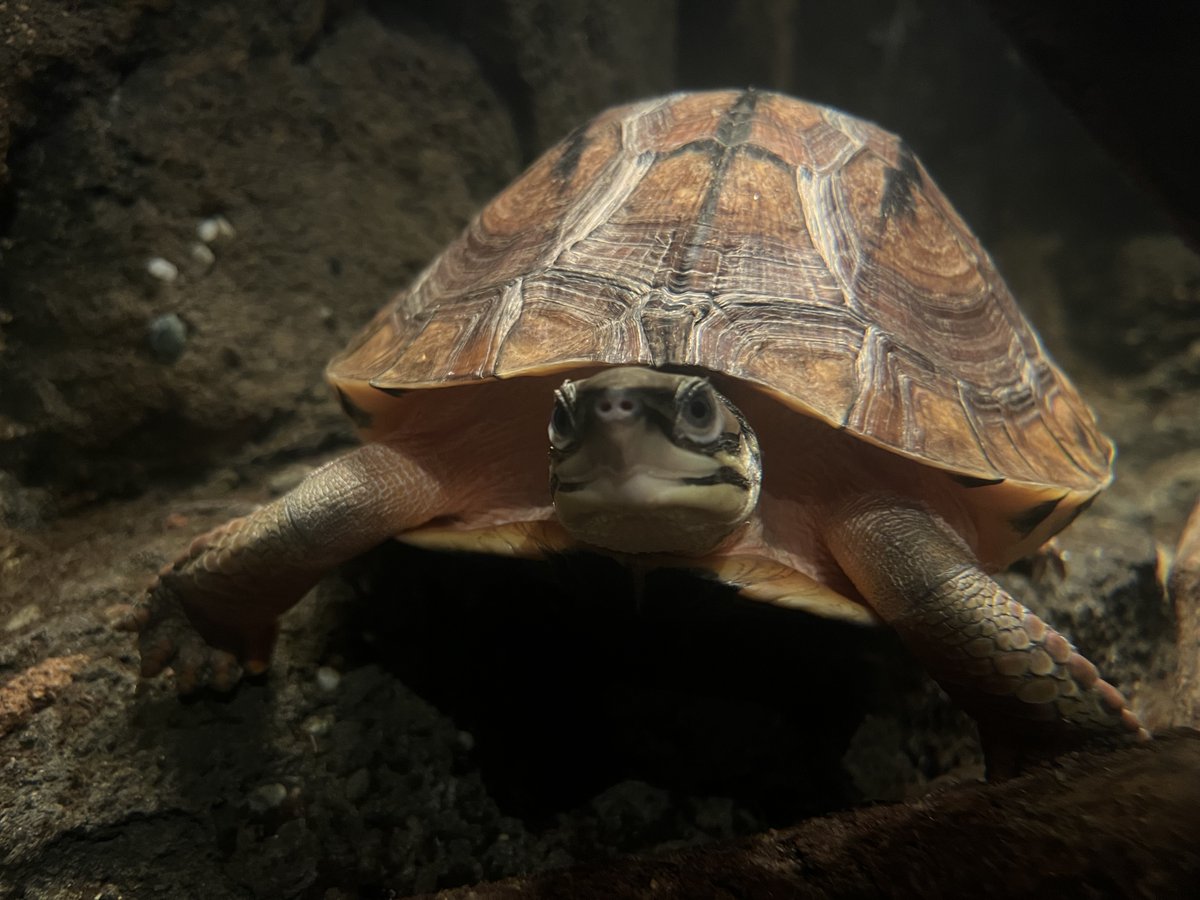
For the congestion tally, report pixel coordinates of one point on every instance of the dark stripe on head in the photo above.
(727, 442)
(723, 475)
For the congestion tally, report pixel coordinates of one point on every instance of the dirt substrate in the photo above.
(431, 721)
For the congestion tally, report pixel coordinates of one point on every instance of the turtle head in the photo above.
(643, 461)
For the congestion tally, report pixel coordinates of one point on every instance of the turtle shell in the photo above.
(777, 242)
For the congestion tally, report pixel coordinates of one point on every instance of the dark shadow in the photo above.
(569, 684)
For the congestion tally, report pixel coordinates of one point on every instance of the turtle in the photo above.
(728, 331)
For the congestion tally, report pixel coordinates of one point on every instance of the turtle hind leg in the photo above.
(213, 613)
(1032, 694)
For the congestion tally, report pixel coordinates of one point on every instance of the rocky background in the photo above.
(200, 202)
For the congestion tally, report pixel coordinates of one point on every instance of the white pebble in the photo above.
(162, 269)
(214, 227)
(266, 797)
(207, 230)
(328, 678)
(201, 254)
(318, 725)
(26, 615)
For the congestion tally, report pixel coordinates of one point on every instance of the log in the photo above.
(1121, 823)
(1183, 586)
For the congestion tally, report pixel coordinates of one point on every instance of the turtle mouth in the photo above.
(644, 462)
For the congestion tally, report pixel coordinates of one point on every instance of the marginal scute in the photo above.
(775, 242)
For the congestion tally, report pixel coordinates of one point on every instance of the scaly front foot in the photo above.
(195, 617)
(214, 612)
(1031, 692)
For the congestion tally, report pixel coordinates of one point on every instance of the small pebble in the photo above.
(266, 797)
(319, 724)
(162, 269)
(214, 227)
(167, 336)
(328, 678)
(26, 615)
(202, 255)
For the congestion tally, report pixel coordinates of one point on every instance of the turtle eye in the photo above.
(699, 418)
(562, 423)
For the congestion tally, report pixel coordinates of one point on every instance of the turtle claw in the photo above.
(168, 639)
(1011, 749)
(198, 666)
(211, 615)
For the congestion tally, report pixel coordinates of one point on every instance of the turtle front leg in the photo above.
(1030, 691)
(215, 609)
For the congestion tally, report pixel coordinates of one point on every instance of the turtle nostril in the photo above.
(617, 406)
